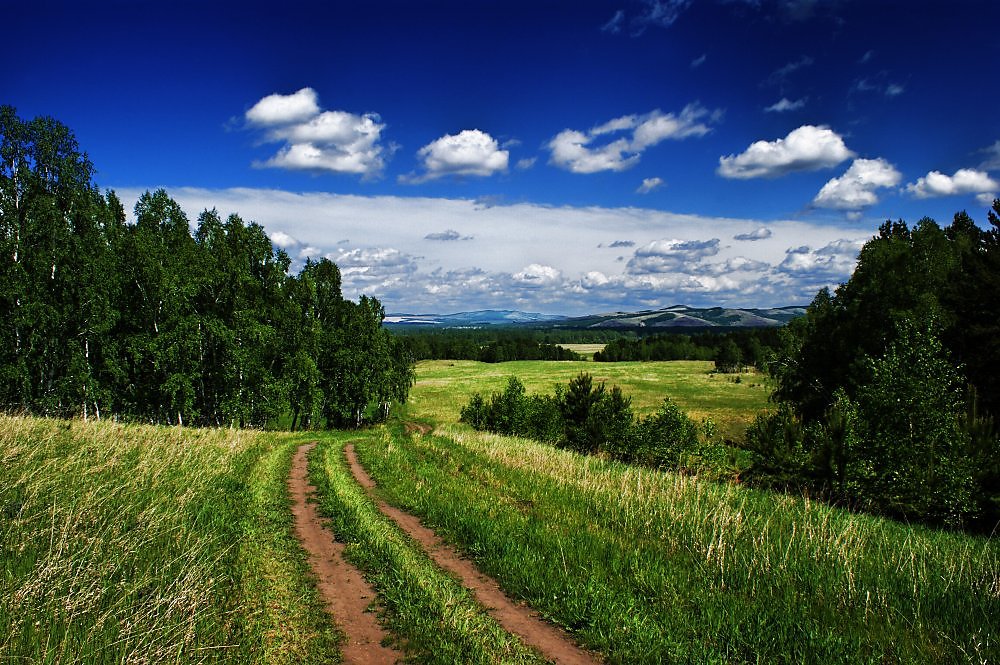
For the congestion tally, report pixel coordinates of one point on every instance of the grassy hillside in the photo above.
(444, 386)
(657, 567)
(149, 544)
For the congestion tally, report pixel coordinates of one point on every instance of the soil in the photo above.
(553, 643)
(347, 595)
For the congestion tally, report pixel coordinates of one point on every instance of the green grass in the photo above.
(123, 543)
(444, 386)
(437, 619)
(656, 567)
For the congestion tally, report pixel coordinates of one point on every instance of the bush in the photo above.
(659, 440)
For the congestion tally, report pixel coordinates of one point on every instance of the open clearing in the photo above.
(444, 386)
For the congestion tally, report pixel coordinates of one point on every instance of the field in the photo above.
(127, 543)
(445, 386)
(132, 544)
(585, 350)
(652, 567)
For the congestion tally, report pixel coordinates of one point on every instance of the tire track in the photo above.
(515, 618)
(346, 594)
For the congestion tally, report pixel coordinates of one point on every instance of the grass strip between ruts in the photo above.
(436, 619)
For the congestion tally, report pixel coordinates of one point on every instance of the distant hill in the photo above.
(676, 316)
(486, 317)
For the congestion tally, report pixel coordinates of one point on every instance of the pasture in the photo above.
(444, 386)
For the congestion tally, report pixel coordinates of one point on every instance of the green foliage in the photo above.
(660, 440)
(873, 379)
(916, 451)
(151, 323)
(589, 419)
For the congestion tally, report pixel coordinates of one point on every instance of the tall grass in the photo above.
(653, 567)
(138, 544)
(437, 619)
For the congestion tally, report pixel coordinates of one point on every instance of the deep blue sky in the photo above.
(888, 108)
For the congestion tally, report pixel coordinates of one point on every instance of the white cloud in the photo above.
(534, 257)
(573, 150)
(470, 152)
(784, 104)
(807, 148)
(699, 61)
(986, 199)
(834, 261)
(649, 184)
(671, 255)
(526, 163)
(964, 181)
(992, 161)
(283, 240)
(594, 279)
(856, 188)
(315, 140)
(537, 275)
(761, 233)
(284, 109)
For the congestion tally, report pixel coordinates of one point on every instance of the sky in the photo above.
(557, 157)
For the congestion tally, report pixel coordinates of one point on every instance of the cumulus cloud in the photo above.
(649, 184)
(734, 265)
(449, 235)
(283, 240)
(537, 275)
(807, 148)
(582, 152)
(284, 109)
(671, 255)
(535, 257)
(856, 188)
(833, 262)
(784, 104)
(470, 152)
(964, 181)
(316, 140)
(761, 233)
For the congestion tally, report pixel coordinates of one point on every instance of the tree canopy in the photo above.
(149, 321)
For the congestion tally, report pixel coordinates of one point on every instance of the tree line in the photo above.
(888, 389)
(487, 347)
(732, 350)
(149, 321)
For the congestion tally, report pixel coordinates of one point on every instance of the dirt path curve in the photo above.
(345, 592)
(550, 641)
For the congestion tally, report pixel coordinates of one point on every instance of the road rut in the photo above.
(515, 618)
(346, 594)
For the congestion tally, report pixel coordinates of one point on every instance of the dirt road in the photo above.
(345, 592)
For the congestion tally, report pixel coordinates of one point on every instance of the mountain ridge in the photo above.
(674, 316)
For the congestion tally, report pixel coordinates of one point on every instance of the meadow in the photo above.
(444, 386)
(653, 567)
(133, 544)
